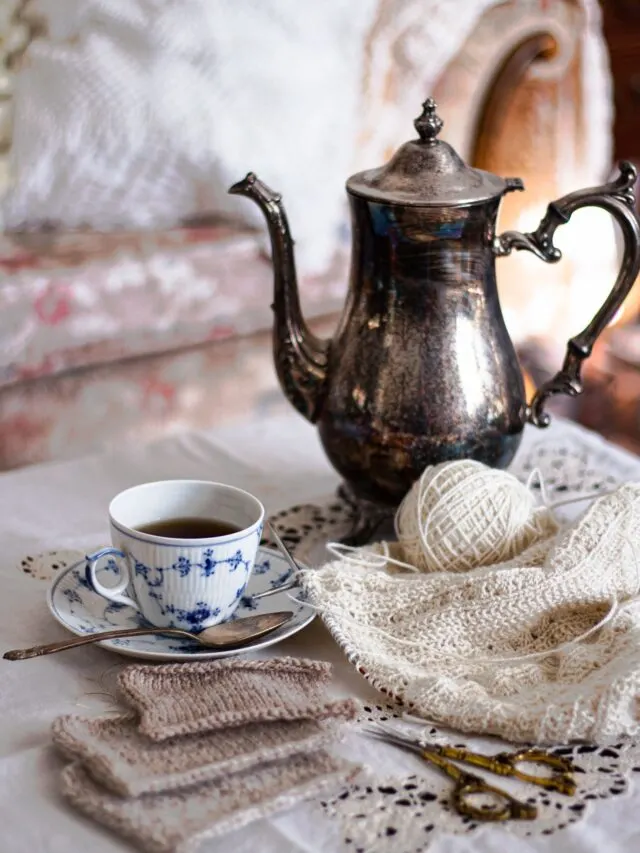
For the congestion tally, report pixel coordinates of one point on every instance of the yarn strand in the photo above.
(451, 521)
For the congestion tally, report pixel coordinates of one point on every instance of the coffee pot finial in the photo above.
(429, 124)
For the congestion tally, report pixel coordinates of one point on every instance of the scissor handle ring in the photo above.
(511, 809)
(560, 779)
(539, 756)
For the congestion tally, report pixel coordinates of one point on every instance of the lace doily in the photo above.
(400, 804)
(405, 813)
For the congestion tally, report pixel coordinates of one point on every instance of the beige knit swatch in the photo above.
(179, 699)
(115, 754)
(177, 821)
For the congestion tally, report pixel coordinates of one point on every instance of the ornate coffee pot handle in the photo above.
(617, 197)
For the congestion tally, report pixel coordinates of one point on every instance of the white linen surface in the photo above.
(64, 505)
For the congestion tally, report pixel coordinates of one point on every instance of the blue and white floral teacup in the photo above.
(181, 583)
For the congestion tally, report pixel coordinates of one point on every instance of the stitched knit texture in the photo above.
(177, 821)
(115, 754)
(453, 646)
(179, 699)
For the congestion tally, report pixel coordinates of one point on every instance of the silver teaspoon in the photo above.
(218, 636)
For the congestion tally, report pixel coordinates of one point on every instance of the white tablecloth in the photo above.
(63, 505)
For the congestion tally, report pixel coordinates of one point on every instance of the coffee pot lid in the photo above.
(427, 171)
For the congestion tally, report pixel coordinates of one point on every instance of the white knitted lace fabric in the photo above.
(453, 647)
(138, 113)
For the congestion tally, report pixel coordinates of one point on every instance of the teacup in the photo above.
(179, 582)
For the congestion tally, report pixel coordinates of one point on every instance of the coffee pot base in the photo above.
(370, 521)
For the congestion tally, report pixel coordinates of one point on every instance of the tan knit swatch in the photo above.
(114, 752)
(177, 821)
(179, 699)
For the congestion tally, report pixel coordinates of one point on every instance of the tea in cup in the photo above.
(183, 551)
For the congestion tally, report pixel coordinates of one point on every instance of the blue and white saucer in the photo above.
(82, 611)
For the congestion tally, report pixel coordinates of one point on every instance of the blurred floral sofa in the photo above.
(118, 322)
(111, 337)
(135, 329)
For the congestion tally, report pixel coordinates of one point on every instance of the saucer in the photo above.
(82, 611)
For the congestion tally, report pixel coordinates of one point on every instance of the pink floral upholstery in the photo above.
(138, 400)
(86, 300)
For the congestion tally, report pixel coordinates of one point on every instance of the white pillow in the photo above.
(143, 112)
(136, 113)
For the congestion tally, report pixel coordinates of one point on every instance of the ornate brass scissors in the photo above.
(468, 785)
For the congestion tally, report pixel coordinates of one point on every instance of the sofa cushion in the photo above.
(81, 298)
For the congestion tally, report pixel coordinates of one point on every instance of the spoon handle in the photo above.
(86, 639)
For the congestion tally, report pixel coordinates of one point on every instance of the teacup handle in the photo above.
(113, 593)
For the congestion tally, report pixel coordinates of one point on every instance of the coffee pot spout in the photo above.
(300, 357)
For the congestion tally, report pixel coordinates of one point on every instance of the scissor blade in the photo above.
(393, 738)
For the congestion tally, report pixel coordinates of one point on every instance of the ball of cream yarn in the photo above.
(461, 515)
